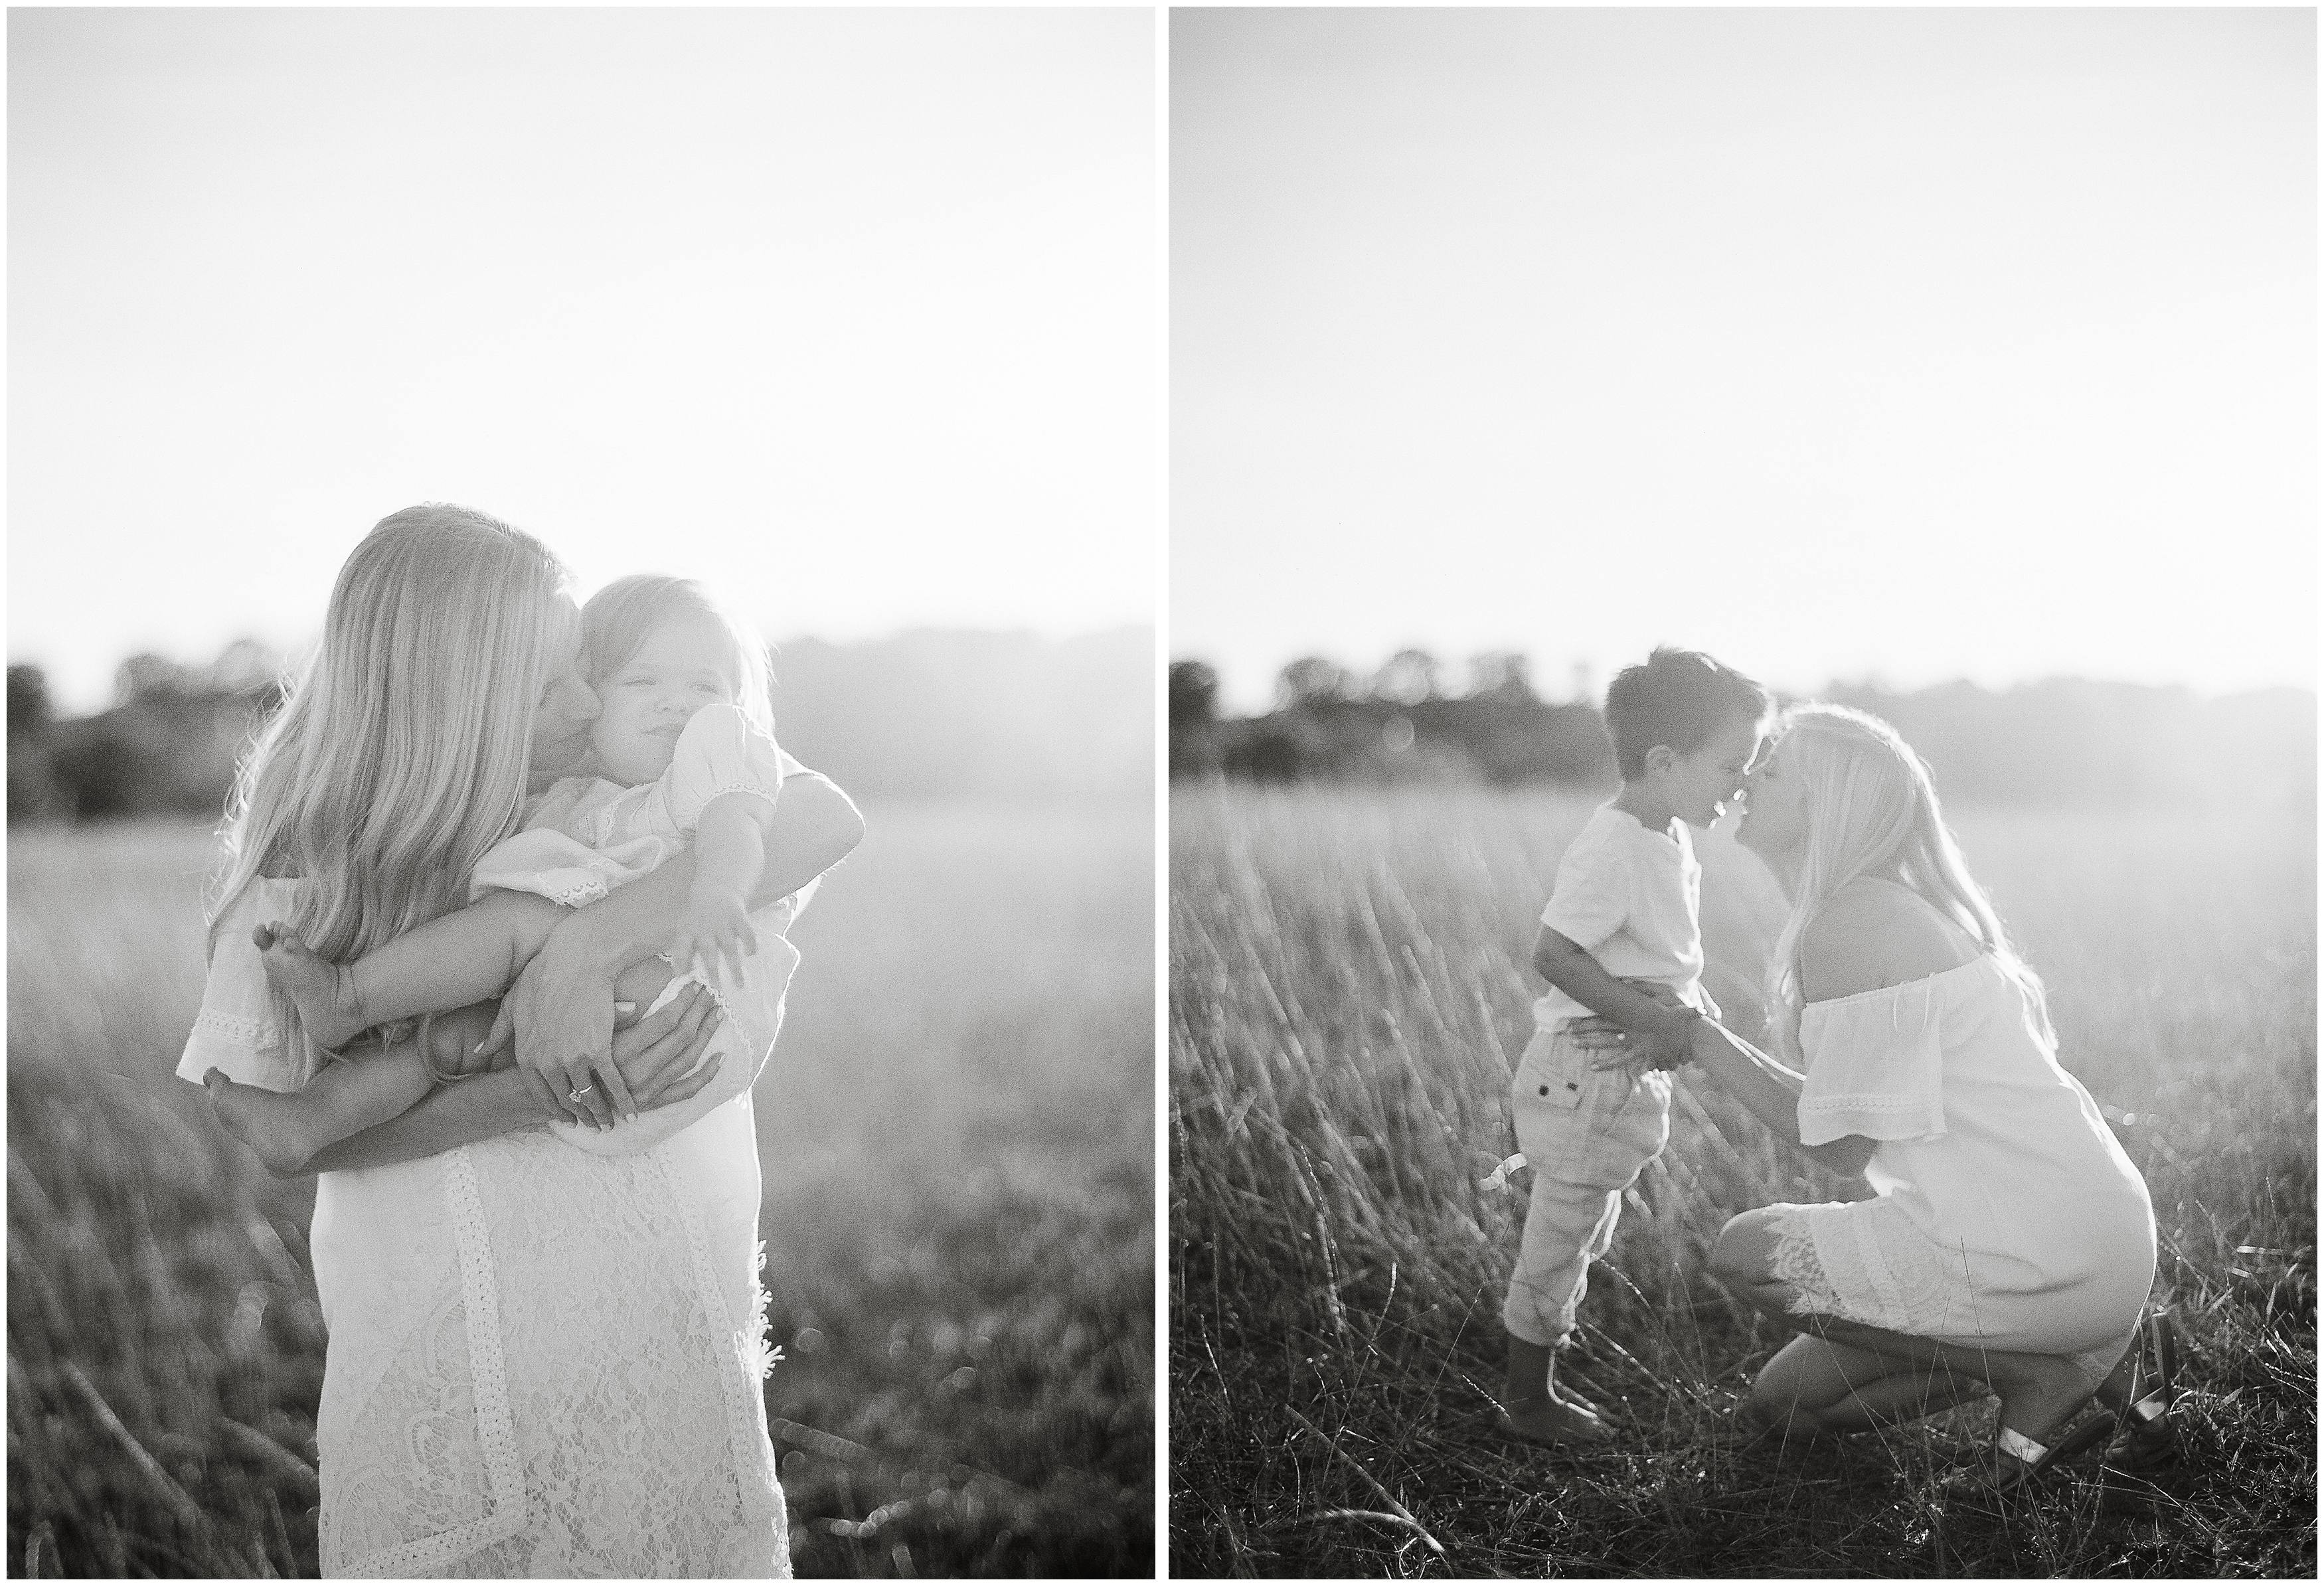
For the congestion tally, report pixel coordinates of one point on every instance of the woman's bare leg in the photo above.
(2039, 1393)
(1818, 1386)
(462, 957)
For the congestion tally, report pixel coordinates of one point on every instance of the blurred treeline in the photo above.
(2063, 741)
(926, 713)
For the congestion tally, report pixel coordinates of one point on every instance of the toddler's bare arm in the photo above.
(1658, 1032)
(460, 958)
(730, 846)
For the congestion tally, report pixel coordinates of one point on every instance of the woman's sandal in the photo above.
(2149, 1466)
(2017, 1463)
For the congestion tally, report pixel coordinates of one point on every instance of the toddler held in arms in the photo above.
(1621, 939)
(683, 756)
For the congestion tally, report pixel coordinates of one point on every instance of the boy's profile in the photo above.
(1620, 938)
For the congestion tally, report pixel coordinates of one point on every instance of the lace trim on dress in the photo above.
(488, 1376)
(242, 1032)
(753, 1452)
(1793, 1262)
(1864, 1261)
(750, 1026)
(758, 1355)
(765, 1520)
(725, 787)
(577, 894)
(1863, 1103)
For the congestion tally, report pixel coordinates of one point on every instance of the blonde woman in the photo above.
(2009, 1243)
(543, 1360)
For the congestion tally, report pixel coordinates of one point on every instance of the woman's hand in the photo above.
(656, 1055)
(1598, 1033)
(1600, 1036)
(560, 1016)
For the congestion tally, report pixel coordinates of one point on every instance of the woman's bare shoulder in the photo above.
(1873, 934)
(1838, 957)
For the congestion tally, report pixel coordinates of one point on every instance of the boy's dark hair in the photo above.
(1680, 698)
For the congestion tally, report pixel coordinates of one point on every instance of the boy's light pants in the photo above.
(1586, 1134)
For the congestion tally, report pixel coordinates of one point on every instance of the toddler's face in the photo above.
(1704, 780)
(687, 661)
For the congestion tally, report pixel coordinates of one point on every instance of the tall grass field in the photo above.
(1347, 1000)
(956, 1134)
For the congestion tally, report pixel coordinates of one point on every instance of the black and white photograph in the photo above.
(582, 714)
(1741, 825)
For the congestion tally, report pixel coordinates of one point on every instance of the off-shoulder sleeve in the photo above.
(1875, 1066)
(721, 752)
(237, 1030)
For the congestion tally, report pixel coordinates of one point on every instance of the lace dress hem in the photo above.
(1839, 1261)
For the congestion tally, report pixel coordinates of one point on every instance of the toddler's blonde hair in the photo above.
(1872, 811)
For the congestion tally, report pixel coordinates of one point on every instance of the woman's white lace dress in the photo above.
(2005, 1215)
(543, 1360)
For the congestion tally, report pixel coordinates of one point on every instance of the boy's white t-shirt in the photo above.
(1632, 899)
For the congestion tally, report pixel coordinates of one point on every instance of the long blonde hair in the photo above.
(397, 754)
(619, 616)
(1872, 811)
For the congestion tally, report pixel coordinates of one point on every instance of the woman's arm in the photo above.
(460, 1114)
(1850, 946)
(1771, 1092)
(654, 1053)
(561, 1010)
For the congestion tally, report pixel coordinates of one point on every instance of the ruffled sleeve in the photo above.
(1876, 1066)
(721, 752)
(237, 1030)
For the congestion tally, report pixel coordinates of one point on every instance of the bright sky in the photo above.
(1920, 343)
(854, 310)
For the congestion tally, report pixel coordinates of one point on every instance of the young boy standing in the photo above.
(1626, 907)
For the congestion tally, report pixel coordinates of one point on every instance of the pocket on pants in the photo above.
(1585, 1126)
(1547, 1077)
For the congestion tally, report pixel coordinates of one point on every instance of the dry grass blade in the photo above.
(1380, 1515)
(41, 1553)
(854, 1455)
(1403, 1514)
(172, 1496)
(278, 1460)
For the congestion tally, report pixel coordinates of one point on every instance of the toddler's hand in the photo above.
(717, 932)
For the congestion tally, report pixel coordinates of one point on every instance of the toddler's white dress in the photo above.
(586, 835)
(2006, 1214)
